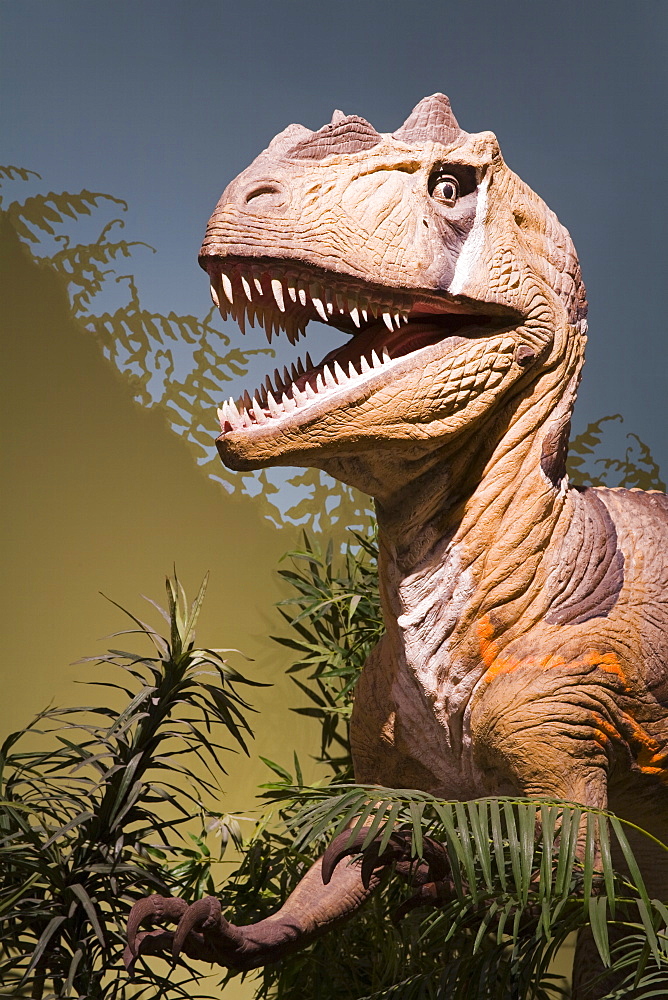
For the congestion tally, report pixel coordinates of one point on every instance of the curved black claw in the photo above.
(150, 910)
(433, 867)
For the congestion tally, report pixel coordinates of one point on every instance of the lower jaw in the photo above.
(256, 445)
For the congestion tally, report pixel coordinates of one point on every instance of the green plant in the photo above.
(338, 621)
(89, 818)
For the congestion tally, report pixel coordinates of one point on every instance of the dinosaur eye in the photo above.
(446, 189)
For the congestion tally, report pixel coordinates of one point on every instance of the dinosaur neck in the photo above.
(466, 549)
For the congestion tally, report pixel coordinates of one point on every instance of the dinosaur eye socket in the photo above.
(445, 189)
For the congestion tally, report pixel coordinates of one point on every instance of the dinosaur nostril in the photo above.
(268, 193)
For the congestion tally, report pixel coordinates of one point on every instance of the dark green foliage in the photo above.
(338, 622)
(88, 820)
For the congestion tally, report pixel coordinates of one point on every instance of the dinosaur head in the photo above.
(453, 280)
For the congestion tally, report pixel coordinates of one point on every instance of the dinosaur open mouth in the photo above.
(386, 325)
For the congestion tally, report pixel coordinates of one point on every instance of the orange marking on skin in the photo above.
(489, 650)
(651, 758)
(608, 662)
(498, 663)
(604, 731)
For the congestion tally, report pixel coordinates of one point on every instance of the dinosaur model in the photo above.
(526, 649)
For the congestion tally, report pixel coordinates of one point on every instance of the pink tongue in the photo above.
(376, 337)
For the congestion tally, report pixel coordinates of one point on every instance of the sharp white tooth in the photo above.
(256, 275)
(386, 356)
(319, 384)
(314, 291)
(339, 373)
(227, 287)
(246, 420)
(355, 317)
(404, 317)
(375, 360)
(288, 404)
(222, 416)
(397, 320)
(364, 365)
(329, 304)
(214, 296)
(329, 378)
(352, 373)
(298, 396)
(277, 289)
(309, 362)
(310, 392)
(387, 320)
(274, 408)
(301, 292)
(233, 414)
(246, 288)
(292, 290)
(320, 309)
(365, 314)
(258, 411)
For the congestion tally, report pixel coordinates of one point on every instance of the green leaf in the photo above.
(598, 919)
(498, 840)
(277, 769)
(79, 891)
(44, 940)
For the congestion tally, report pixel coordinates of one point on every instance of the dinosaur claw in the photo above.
(201, 915)
(151, 909)
(340, 848)
(398, 847)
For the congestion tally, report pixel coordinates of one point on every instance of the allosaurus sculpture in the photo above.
(526, 648)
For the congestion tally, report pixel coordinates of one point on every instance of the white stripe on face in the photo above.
(473, 243)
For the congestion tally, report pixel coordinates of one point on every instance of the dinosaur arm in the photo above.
(311, 910)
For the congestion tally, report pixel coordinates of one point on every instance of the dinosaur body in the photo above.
(526, 648)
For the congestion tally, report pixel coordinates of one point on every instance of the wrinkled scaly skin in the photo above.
(526, 648)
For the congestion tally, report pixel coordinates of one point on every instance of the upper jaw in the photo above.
(387, 323)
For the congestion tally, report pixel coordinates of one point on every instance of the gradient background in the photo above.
(162, 103)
